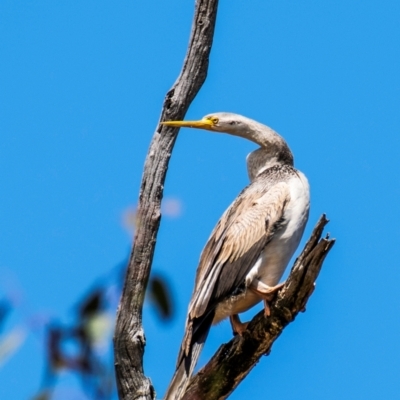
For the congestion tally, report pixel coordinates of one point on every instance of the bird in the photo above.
(252, 243)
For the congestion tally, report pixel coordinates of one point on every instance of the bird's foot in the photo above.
(266, 292)
(238, 327)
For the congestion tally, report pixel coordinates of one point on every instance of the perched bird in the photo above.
(252, 243)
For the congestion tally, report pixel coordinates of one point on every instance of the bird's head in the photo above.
(274, 146)
(217, 122)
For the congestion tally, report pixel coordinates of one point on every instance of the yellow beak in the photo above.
(202, 124)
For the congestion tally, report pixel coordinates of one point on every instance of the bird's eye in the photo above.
(214, 120)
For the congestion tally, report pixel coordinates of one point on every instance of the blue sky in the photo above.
(81, 89)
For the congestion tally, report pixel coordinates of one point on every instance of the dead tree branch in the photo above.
(234, 360)
(129, 339)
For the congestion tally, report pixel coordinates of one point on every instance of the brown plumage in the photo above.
(235, 245)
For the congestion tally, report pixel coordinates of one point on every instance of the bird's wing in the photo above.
(231, 251)
(236, 243)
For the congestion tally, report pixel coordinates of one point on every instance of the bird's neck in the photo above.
(258, 161)
(274, 150)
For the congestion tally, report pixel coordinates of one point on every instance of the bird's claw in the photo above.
(266, 292)
(238, 327)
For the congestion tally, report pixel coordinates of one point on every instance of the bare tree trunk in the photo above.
(129, 338)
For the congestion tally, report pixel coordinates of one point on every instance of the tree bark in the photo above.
(129, 338)
(234, 360)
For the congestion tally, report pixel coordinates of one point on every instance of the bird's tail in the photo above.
(196, 335)
(183, 373)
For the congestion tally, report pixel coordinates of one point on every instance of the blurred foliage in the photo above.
(83, 347)
(5, 309)
(10, 342)
(161, 297)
